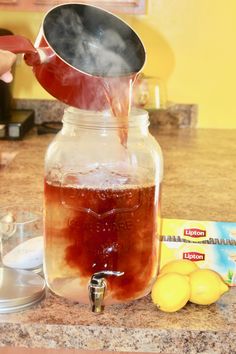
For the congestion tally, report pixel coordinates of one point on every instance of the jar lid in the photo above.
(19, 289)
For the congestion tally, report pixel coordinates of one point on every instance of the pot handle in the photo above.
(19, 44)
(16, 44)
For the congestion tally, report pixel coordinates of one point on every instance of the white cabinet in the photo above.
(118, 6)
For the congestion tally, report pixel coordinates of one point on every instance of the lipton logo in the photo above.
(195, 232)
(194, 256)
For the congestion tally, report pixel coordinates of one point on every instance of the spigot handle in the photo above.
(97, 289)
(97, 277)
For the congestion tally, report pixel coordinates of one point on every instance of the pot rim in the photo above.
(42, 32)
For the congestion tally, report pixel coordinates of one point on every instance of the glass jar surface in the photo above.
(101, 206)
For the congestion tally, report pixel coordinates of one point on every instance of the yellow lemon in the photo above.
(181, 266)
(171, 292)
(207, 286)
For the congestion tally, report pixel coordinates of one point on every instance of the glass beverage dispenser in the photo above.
(101, 209)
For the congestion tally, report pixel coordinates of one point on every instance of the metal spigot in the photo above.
(97, 288)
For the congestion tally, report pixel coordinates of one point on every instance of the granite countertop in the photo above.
(199, 183)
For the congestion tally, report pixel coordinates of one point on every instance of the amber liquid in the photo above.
(89, 230)
(118, 92)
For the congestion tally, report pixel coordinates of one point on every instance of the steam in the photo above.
(95, 49)
(99, 44)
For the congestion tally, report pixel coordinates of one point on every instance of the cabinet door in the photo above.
(118, 6)
(9, 4)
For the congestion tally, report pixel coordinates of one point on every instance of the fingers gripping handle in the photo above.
(21, 45)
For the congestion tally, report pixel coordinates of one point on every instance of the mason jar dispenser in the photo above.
(101, 209)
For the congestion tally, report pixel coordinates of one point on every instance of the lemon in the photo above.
(181, 266)
(171, 292)
(207, 286)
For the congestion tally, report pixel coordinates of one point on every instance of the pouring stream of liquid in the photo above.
(118, 92)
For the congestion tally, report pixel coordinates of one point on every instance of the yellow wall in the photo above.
(190, 46)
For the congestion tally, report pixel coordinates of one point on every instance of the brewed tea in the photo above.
(94, 229)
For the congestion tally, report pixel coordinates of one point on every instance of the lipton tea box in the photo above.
(210, 244)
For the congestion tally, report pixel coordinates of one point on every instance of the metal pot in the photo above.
(79, 50)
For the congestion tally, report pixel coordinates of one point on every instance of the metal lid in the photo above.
(19, 289)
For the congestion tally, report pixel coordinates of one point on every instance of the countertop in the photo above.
(199, 183)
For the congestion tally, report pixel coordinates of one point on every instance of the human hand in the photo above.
(7, 59)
